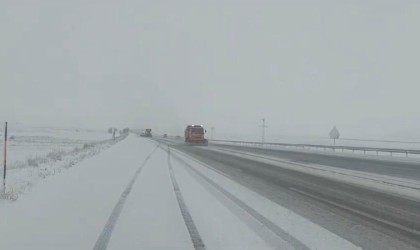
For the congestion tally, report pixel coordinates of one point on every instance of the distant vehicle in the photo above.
(147, 133)
(194, 134)
(165, 136)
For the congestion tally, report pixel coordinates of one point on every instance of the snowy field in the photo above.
(30, 142)
(35, 153)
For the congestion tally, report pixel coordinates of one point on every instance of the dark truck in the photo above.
(147, 133)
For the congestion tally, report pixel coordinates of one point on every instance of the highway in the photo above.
(401, 169)
(368, 218)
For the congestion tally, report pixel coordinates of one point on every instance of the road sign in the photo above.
(334, 134)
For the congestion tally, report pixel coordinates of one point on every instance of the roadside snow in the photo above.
(25, 175)
(68, 211)
(27, 143)
(56, 132)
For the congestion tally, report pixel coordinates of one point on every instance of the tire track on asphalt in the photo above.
(410, 230)
(103, 239)
(192, 229)
(391, 217)
(386, 179)
(260, 224)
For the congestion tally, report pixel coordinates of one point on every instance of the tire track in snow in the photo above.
(192, 229)
(103, 239)
(270, 226)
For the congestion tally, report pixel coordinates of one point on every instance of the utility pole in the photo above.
(263, 130)
(212, 131)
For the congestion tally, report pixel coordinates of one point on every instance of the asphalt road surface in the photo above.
(367, 218)
(400, 169)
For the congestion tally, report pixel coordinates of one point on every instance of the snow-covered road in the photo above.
(126, 198)
(68, 211)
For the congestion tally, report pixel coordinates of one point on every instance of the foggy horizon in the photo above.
(302, 66)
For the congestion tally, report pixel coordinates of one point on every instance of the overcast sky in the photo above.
(304, 66)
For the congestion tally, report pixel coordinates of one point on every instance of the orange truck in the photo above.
(194, 134)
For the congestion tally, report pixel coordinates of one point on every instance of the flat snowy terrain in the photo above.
(36, 153)
(26, 143)
(136, 195)
(139, 193)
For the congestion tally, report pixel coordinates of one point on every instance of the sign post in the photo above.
(334, 134)
(263, 130)
(5, 158)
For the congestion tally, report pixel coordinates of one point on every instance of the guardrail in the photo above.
(325, 147)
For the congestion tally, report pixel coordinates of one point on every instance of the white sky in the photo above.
(303, 65)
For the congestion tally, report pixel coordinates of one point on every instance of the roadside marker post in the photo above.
(5, 158)
(263, 130)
